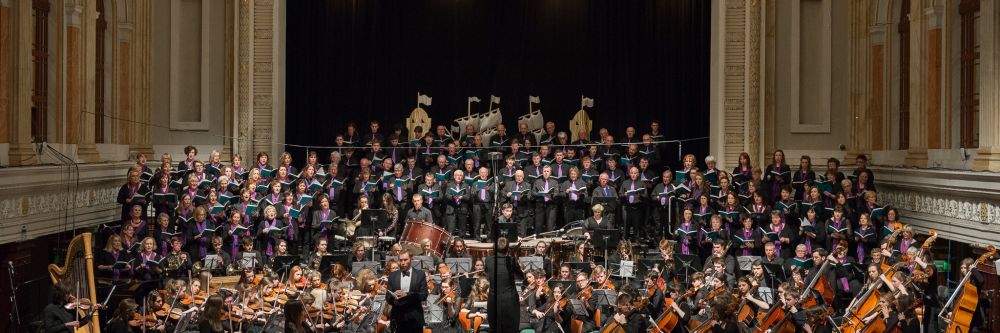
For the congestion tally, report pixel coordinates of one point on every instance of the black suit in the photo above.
(407, 314)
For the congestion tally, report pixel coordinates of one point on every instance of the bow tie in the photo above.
(406, 273)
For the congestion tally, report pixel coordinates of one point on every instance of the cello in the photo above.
(965, 299)
(669, 319)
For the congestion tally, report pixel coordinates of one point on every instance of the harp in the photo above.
(78, 274)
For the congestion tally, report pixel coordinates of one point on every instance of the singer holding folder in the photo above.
(407, 290)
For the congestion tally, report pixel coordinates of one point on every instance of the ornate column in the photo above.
(142, 39)
(86, 149)
(5, 70)
(74, 81)
(244, 106)
(126, 71)
(860, 142)
(736, 79)
(20, 84)
(988, 155)
(916, 155)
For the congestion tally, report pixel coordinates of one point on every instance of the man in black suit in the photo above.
(407, 291)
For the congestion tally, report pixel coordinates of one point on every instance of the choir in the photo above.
(606, 236)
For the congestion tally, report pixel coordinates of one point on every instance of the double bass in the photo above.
(965, 299)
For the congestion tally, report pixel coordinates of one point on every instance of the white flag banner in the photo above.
(588, 102)
(474, 99)
(423, 100)
(534, 99)
(494, 99)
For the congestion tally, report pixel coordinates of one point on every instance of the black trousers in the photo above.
(545, 216)
(482, 218)
(633, 219)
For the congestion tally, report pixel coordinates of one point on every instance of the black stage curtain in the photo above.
(357, 60)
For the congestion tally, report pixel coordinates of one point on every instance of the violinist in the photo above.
(717, 269)
(533, 295)
(317, 288)
(295, 317)
(211, 318)
(60, 316)
(654, 298)
(125, 318)
(449, 303)
(472, 308)
(159, 310)
(601, 278)
(584, 293)
(551, 316)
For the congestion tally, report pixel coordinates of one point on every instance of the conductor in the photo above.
(503, 314)
(407, 290)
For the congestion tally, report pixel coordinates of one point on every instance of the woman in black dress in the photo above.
(502, 270)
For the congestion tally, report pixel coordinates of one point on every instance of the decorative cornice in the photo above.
(73, 13)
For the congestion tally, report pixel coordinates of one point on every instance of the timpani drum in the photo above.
(416, 231)
(479, 250)
(527, 248)
(367, 241)
(385, 242)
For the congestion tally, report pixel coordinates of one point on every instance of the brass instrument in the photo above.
(78, 273)
(173, 263)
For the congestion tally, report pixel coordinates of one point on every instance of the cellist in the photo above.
(654, 303)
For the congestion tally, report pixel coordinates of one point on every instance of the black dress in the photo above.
(502, 273)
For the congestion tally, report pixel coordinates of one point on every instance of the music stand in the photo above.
(766, 294)
(579, 266)
(509, 230)
(746, 262)
(434, 312)
(377, 219)
(605, 297)
(248, 260)
(688, 263)
(280, 264)
(626, 269)
(578, 308)
(774, 273)
(459, 265)
(646, 265)
(605, 239)
(212, 262)
(357, 266)
(423, 262)
(532, 262)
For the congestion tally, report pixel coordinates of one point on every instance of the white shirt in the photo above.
(404, 280)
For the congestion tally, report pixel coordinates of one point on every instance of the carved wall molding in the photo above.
(37, 201)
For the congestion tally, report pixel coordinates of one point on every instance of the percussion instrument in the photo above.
(367, 241)
(416, 231)
(528, 247)
(479, 250)
(385, 242)
(575, 233)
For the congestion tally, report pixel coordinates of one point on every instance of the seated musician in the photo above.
(60, 316)
(623, 252)
(217, 250)
(719, 251)
(565, 273)
(601, 278)
(541, 250)
(771, 255)
(553, 315)
(748, 291)
(598, 221)
(246, 249)
(123, 320)
(584, 293)
(458, 249)
(654, 295)
(449, 303)
(717, 269)
(533, 296)
(425, 246)
(470, 310)
(789, 301)
(155, 304)
(626, 316)
(358, 254)
(316, 257)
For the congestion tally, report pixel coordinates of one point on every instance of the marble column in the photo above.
(18, 105)
(859, 142)
(916, 155)
(74, 81)
(988, 155)
(142, 39)
(86, 148)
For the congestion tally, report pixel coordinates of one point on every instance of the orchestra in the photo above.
(602, 240)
